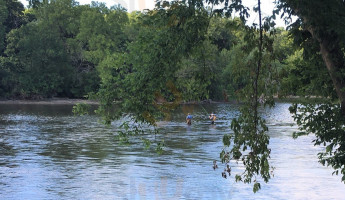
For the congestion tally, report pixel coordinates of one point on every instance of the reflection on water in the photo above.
(47, 153)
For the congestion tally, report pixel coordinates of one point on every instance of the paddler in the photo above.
(212, 118)
(189, 119)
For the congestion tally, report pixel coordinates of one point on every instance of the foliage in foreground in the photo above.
(141, 62)
(327, 123)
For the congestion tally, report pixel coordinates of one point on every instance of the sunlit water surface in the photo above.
(47, 153)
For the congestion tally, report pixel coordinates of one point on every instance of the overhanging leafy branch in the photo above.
(249, 143)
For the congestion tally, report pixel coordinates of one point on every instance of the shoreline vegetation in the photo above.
(67, 101)
(51, 101)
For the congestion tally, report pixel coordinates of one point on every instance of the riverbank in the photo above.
(66, 101)
(52, 101)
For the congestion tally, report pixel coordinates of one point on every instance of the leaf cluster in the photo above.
(249, 145)
(142, 78)
(326, 122)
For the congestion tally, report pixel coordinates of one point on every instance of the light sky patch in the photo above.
(267, 7)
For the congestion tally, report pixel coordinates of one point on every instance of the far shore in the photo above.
(53, 101)
(66, 101)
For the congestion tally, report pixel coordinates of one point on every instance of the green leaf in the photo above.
(81, 109)
(256, 187)
(238, 178)
(227, 140)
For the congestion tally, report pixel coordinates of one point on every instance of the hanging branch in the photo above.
(258, 70)
(248, 145)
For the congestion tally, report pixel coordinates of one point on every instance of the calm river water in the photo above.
(47, 153)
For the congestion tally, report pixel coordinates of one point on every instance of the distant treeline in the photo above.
(63, 49)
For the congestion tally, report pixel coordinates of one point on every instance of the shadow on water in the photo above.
(36, 109)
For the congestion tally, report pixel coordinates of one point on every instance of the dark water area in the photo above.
(48, 153)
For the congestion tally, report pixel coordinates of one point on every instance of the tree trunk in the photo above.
(330, 50)
(334, 62)
(333, 57)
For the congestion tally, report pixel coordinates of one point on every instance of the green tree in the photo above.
(197, 72)
(3, 17)
(98, 32)
(41, 56)
(321, 38)
(226, 34)
(320, 32)
(65, 17)
(166, 35)
(102, 34)
(326, 36)
(43, 77)
(12, 16)
(327, 39)
(132, 29)
(253, 84)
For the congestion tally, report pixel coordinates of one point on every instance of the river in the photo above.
(47, 153)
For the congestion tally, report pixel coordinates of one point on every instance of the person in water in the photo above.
(189, 119)
(212, 118)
